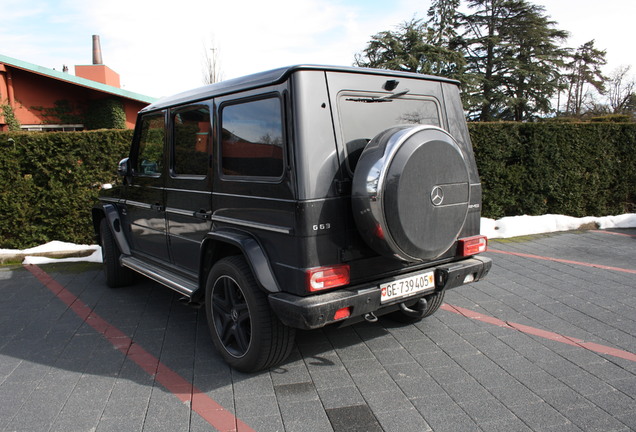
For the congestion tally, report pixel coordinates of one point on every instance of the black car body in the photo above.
(296, 198)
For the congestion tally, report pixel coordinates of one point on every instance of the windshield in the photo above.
(363, 115)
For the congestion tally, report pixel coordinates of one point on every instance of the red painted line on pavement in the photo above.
(202, 404)
(560, 260)
(613, 233)
(601, 349)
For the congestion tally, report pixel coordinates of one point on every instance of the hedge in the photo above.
(576, 169)
(49, 181)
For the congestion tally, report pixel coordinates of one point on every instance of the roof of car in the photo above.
(270, 77)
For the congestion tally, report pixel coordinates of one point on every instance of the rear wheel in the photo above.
(116, 274)
(243, 327)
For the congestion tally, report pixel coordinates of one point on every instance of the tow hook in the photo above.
(418, 311)
(370, 317)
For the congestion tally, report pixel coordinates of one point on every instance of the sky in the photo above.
(158, 46)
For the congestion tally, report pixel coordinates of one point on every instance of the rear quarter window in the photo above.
(252, 139)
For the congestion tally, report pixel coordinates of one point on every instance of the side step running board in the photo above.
(179, 284)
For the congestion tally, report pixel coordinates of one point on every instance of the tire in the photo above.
(116, 274)
(434, 301)
(410, 192)
(243, 327)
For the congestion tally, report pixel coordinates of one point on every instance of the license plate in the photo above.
(407, 287)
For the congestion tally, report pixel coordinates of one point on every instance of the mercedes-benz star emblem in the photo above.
(437, 196)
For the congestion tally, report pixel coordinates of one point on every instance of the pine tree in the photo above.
(584, 70)
(513, 53)
(443, 23)
(506, 53)
(402, 49)
(416, 46)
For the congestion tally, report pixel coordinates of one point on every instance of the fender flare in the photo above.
(254, 254)
(114, 223)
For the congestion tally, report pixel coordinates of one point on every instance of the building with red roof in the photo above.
(49, 100)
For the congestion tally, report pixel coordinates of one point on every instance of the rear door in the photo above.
(188, 185)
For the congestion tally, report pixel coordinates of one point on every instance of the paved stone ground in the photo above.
(447, 373)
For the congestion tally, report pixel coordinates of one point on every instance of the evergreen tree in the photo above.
(506, 53)
(416, 47)
(403, 49)
(584, 70)
(535, 59)
(512, 51)
(443, 23)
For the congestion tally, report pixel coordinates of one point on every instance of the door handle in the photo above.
(202, 214)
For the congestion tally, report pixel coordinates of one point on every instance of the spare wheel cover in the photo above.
(410, 192)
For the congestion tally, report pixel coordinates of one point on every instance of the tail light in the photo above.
(472, 245)
(321, 278)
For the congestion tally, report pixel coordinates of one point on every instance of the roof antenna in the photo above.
(97, 51)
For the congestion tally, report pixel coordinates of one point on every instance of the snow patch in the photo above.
(95, 257)
(515, 226)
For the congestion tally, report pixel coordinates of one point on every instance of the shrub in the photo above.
(105, 114)
(577, 169)
(49, 182)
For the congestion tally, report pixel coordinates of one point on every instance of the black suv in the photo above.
(297, 198)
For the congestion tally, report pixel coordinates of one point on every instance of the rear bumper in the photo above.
(318, 310)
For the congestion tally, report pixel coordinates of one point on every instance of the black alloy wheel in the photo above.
(243, 327)
(231, 316)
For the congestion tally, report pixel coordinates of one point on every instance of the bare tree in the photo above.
(211, 63)
(621, 90)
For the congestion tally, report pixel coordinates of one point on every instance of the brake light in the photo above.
(321, 278)
(472, 245)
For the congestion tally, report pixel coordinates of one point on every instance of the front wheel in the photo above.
(243, 327)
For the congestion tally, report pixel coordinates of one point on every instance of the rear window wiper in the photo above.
(387, 98)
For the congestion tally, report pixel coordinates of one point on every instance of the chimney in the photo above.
(98, 71)
(97, 51)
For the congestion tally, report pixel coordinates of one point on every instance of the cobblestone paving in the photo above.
(540, 345)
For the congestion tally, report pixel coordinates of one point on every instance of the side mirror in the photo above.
(123, 169)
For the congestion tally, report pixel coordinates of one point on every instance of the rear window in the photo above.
(252, 139)
(362, 117)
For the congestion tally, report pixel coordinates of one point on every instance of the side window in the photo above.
(150, 155)
(191, 138)
(252, 139)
